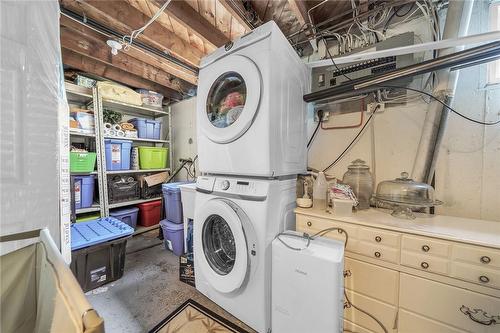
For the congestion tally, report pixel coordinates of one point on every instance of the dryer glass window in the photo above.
(218, 244)
(226, 99)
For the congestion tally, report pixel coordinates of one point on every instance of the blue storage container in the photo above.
(126, 215)
(147, 128)
(172, 200)
(173, 236)
(85, 234)
(118, 154)
(84, 191)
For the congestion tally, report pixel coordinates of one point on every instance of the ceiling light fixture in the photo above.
(114, 45)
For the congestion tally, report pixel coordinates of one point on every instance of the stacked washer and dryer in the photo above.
(251, 128)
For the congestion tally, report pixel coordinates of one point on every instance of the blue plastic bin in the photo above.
(85, 234)
(84, 191)
(147, 128)
(126, 215)
(173, 235)
(173, 203)
(117, 154)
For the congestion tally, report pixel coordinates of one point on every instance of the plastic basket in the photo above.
(82, 162)
(153, 157)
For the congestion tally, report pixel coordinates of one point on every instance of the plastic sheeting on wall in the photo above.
(33, 120)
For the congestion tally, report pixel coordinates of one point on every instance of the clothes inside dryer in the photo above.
(226, 99)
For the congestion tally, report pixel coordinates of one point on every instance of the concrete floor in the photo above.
(148, 291)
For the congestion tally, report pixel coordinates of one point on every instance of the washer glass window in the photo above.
(226, 99)
(218, 244)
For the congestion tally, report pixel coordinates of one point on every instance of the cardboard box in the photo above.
(186, 269)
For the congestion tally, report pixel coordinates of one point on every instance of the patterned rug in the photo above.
(192, 317)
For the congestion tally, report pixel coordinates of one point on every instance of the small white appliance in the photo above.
(236, 220)
(307, 285)
(251, 118)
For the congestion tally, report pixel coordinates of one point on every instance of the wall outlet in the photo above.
(324, 117)
(375, 107)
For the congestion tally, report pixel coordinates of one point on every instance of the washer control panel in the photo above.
(241, 187)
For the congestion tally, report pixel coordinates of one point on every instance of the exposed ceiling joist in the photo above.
(299, 9)
(125, 18)
(190, 18)
(137, 53)
(236, 9)
(93, 66)
(97, 50)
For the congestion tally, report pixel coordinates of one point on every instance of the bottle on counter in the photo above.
(319, 191)
(360, 179)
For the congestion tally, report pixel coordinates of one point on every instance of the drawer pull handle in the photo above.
(485, 259)
(309, 223)
(484, 279)
(480, 316)
(378, 239)
(424, 265)
(377, 254)
(426, 248)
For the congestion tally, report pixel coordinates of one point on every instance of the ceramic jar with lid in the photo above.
(360, 179)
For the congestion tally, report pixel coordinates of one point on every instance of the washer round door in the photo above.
(232, 100)
(224, 255)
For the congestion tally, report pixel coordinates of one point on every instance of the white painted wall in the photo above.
(184, 132)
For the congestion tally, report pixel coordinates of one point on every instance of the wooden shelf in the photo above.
(121, 172)
(137, 139)
(94, 208)
(133, 109)
(132, 202)
(140, 229)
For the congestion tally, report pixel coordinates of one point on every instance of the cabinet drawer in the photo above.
(446, 304)
(378, 251)
(383, 312)
(372, 280)
(379, 236)
(476, 255)
(476, 274)
(425, 263)
(313, 225)
(426, 245)
(409, 322)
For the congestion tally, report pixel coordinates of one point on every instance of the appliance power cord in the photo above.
(321, 233)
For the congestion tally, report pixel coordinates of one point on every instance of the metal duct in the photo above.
(456, 25)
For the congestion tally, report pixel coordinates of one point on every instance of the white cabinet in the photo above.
(414, 282)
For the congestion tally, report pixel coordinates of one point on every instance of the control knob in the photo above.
(225, 185)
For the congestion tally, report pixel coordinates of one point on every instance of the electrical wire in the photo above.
(321, 233)
(129, 39)
(314, 134)
(350, 144)
(442, 103)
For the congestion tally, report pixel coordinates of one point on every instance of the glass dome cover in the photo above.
(406, 191)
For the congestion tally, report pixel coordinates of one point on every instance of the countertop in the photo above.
(472, 231)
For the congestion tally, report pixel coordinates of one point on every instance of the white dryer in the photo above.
(251, 118)
(235, 223)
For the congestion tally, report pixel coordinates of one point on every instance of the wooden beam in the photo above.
(137, 53)
(98, 50)
(89, 65)
(186, 15)
(299, 9)
(235, 8)
(125, 18)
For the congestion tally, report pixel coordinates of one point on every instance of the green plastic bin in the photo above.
(153, 157)
(82, 162)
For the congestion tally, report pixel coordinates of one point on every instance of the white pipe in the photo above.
(442, 44)
(457, 24)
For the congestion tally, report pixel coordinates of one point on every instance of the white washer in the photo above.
(236, 220)
(251, 118)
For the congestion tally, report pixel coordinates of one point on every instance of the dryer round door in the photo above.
(224, 260)
(232, 100)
